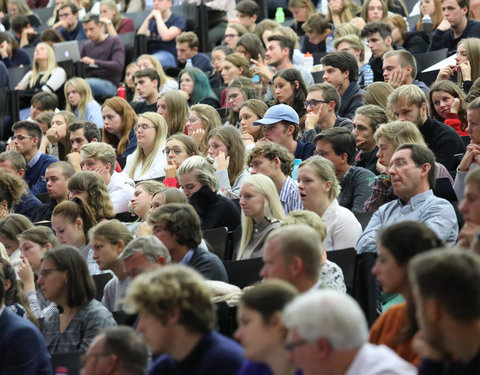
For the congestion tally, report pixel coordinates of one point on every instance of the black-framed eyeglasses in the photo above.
(313, 102)
(291, 346)
(143, 126)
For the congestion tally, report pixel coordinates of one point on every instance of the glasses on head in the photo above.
(47, 271)
(230, 35)
(143, 127)
(290, 346)
(313, 103)
(21, 137)
(175, 150)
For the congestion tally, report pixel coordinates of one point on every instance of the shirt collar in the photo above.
(35, 159)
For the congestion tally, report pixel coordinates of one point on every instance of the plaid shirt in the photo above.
(80, 332)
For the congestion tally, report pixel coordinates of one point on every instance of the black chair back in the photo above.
(100, 281)
(245, 272)
(216, 240)
(346, 260)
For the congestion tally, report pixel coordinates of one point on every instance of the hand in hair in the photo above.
(455, 107)
(222, 161)
(25, 273)
(472, 155)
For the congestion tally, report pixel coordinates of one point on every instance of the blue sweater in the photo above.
(214, 355)
(35, 175)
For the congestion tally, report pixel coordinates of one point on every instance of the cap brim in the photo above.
(267, 121)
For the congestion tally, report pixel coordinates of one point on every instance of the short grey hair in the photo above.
(338, 318)
(150, 246)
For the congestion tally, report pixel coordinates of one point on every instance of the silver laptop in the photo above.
(67, 51)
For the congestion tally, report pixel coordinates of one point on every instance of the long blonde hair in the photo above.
(158, 67)
(177, 108)
(161, 131)
(272, 207)
(210, 119)
(472, 45)
(86, 96)
(51, 65)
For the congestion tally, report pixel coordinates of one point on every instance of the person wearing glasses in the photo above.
(65, 280)
(322, 105)
(27, 136)
(179, 148)
(233, 32)
(261, 331)
(148, 160)
(316, 347)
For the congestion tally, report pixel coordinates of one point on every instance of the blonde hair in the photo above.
(309, 218)
(232, 139)
(325, 170)
(472, 45)
(354, 41)
(349, 11)
(161, 130)
(117, 17)
(210, 119)
(272, 207)
(203, 170)
(51, 65)
(409, 94)
(399, 133)
(240, 61)
(289, 33)
(158, 67)
(177, 107)
(346, 29)
(86, 96)
(112, 231)
(377, 93)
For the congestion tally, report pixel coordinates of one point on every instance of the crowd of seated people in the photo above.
(111, 205)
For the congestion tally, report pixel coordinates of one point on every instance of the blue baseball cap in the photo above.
(277, 113)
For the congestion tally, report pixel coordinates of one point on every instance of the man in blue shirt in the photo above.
(187, 48)
(412, 172)
(69, 26)
(176, 318)
(281, 126)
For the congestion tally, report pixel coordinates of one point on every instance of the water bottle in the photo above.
(279, 15)
(122, 92)
(308, 61)
(189, 64)
(368, 75)
(329, 43)
(296, 164)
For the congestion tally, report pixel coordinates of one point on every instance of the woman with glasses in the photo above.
(319, 189)
(239, 90)
(65, 280)
(203, 118)
(194, 85)
(179, 147)
(148, 161)
(233, 32)
(118, 121)
(261, 331)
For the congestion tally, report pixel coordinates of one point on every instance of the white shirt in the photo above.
(379, 360)
(343, 228)
(156, 170)
(121, 189)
